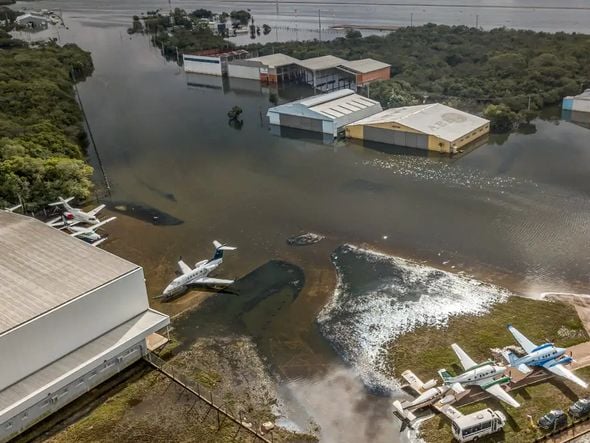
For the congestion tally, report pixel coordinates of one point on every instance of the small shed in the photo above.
(326, 113)
(433, 127)
(32, 21)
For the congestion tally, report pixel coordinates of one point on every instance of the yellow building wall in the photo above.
(474, 135)
(434, 143)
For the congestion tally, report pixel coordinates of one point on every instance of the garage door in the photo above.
(309, 124)
(399, 138)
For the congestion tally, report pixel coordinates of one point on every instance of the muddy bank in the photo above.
(153, 409)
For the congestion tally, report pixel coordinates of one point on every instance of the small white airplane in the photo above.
(487, 375)
(75, 215)
(89, 235)
(546, 356)
(198, 275)
(13, 208)
(428, 394)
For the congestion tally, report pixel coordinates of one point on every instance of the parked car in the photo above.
(554, 419)
(580, 408)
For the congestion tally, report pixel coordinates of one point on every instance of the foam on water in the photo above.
(431, 170)
(379, 297)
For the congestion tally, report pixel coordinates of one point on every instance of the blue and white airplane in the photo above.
(547, 356)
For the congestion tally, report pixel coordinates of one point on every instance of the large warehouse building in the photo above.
(326, 113)
(71, 316)
(324, 73)
(433, 127)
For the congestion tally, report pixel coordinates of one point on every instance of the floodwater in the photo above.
(514, 212)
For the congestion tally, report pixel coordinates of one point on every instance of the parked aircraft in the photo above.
(13, 208)
(546, 356)
(428, 394)
(75, 215)
(487, 375)
(198, 275)
(89, 235)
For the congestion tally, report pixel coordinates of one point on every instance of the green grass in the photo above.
(427, 349)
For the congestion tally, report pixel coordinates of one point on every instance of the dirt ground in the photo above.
(152, 408)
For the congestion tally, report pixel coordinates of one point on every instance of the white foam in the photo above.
(361, 325)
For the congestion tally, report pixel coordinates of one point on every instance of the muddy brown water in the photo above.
(514, 211)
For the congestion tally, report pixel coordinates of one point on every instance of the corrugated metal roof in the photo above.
(42, 268)
(321, 63)
(435, 119)
(343, 106)
(49, 376)
(275, 60)
(365, 65)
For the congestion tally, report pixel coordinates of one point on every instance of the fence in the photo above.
(205, 395)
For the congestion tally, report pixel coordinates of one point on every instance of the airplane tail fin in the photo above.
(515, 362)
(403, 413)
(219, 249)
(445, 375)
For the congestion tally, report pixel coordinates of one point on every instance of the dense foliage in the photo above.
(179, 31)
(41, 130)
(466, 67)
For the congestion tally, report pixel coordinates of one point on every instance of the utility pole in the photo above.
(411, 19)
(477, 20)
(277, 8)
(320, 23)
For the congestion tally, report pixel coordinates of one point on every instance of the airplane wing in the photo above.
(97, 210)
(566, 373)
(526, 344)
(501, 394)
(466, 361)
(93, 227)
(98, 242)
(57, 221)
(61, 201)
(184, 268)
(413, 381)
(212, 281)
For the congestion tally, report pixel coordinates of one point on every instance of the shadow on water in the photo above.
(261, 294)
(145, 213)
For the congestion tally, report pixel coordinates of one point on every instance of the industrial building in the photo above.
(325, 73)
(212, 62)
(32, 21)
(577, 103)
(433, 127)
(326, 113)
(71, 316)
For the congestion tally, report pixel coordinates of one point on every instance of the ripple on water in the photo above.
(380, 297)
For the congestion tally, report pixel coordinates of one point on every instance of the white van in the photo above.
(474, 426)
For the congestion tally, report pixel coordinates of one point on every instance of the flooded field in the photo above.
(514, 212)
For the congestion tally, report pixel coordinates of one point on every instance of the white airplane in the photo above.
(75, 215)
(198, 275)
(89, 235)
(487, 375)
(546, 356)
(13, 208)
(428, 394)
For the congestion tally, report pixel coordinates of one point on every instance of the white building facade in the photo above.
(71, 316)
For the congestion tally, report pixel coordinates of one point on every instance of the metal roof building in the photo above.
(326, 113)
(578, 103)
(71, 316)
(434, 127)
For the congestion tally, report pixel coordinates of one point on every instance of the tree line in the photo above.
(508, 74)
(42, 138)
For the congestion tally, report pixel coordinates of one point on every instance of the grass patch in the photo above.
(427, 349)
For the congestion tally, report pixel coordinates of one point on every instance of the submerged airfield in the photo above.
(417, 250)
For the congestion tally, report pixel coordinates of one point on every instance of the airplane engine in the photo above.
(447, 399)
(562, 361)
(429, 384)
